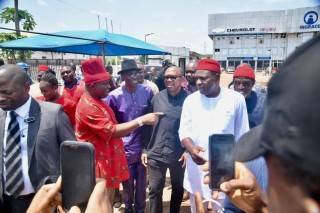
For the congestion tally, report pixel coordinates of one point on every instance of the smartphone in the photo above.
(221, 159)
(78, 173)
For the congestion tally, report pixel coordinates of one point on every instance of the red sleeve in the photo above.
(94, 120)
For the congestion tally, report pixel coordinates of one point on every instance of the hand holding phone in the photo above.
(221, 159)
(78, 173)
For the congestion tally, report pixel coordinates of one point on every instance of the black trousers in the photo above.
(157, 176)
(16, 205)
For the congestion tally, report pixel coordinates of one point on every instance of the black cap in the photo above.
(128, 65)
(291, 129)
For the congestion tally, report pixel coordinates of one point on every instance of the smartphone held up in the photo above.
(221, 159)
(78, 173)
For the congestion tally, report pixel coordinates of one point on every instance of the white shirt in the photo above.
(201, 117)
(23, 113)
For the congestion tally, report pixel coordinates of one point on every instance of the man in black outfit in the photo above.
(164, 150)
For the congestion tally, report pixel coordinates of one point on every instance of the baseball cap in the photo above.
(290, 129)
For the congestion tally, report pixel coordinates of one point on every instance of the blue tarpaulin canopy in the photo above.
(94, 42)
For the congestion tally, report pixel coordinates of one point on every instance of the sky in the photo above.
(181, 23)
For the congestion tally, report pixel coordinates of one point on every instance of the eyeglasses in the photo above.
(172, 77)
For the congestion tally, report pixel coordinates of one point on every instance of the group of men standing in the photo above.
(180, 119)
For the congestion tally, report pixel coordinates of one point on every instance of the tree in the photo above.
(8, 15)
(12, 54)
(28, 23)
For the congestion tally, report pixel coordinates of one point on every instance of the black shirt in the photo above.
(164, 144)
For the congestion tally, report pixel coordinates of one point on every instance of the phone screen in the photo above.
(221, 159)
(78, 173)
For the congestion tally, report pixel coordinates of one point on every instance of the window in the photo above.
(216, 50)
(283, 35)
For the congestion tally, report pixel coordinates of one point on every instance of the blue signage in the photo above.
(310, 17)
(264, 58)
(240, 58)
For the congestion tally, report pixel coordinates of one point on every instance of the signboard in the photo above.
(310, 20)
(240, 58)
(264, 58)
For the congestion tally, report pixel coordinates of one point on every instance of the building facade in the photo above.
(263, 38)
(179, 56)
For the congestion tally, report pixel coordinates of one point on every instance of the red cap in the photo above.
(94, 71)
(43, 67)
(244, 71)
(209, 64)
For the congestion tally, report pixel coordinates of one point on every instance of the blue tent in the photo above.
(85, 42)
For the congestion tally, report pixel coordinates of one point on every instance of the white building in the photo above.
(263, 38)
(179, 56)
(55, 55)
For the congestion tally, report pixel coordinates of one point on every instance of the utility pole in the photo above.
(111, 26)
(106, 24)
(99, 22)
(16, 17)
(145, 40)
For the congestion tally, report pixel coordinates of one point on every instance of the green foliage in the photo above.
(7, 15)
(13, 54)
(28, 23)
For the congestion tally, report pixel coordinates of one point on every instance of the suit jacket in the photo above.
(49, 128)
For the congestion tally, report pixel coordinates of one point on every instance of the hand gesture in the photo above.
(46, 199)
(195, 155)
(183, 159)
(144, 159)
(151, 118)
(243, 190)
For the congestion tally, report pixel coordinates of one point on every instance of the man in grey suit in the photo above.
(30, 138)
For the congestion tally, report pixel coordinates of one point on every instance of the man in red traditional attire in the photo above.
(96, 124)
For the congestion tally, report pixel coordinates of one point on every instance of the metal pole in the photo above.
(145, 40)
(111, 26)
(50, 34)
(99, 22)
(106, 24)
(102, 53)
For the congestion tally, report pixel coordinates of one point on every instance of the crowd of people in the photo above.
(142, 128)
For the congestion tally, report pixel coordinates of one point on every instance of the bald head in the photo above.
(14, 87)
(14, 74)
(192, 65)
(190, 71)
